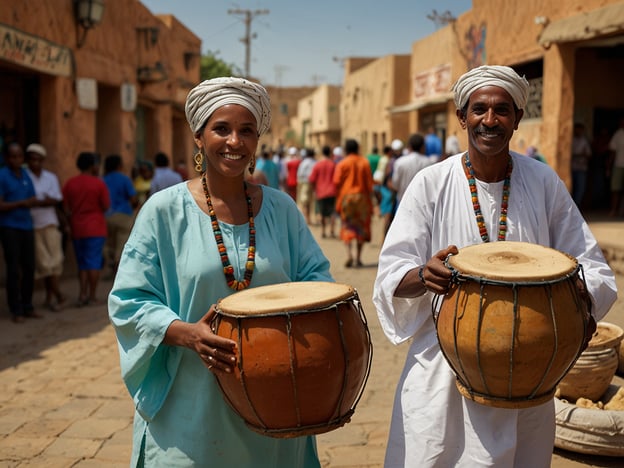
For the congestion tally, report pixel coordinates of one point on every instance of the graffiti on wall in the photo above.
(475, 45)
(432, 82)
(34, 52)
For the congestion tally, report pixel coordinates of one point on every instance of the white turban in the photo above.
(210, 95)
(491, 75)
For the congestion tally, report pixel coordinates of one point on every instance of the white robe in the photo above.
(432, 424)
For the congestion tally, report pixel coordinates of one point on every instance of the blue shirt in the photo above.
(433, 145)
(270, 170)
(164, 177)
(14, 188)
(170, 269)
(121, 189)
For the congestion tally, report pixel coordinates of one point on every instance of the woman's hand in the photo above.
(217, 353)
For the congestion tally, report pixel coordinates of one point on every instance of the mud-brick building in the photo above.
(318, 118)
(284, 101)
(95, 75)
(370, 88)
(572, 54)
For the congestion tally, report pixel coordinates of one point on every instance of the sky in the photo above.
(304, 42)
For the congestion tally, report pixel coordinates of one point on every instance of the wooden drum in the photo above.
(513, 322)
(304, 356)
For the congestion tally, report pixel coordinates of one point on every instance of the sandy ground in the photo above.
(62, 402)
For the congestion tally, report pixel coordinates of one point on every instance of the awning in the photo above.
(423, 102)
(584, 26)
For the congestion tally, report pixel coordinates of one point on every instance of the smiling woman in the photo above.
(193, 244)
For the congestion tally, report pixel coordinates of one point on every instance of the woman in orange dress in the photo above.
(354, 183)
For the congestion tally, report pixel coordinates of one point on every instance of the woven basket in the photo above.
(592, 374)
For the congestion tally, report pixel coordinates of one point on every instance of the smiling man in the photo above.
(486, 194)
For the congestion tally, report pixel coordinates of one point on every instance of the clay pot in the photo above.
(592, 373)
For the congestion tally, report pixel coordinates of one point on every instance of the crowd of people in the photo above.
(94, 211)
(341, 190)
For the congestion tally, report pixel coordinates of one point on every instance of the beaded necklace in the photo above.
(472, 183)
(228, 269)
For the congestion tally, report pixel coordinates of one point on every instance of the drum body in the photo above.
(304, 355)
(513, 322)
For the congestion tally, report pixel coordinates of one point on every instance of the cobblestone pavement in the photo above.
(63, 404)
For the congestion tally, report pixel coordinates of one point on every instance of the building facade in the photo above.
(111, 85)
(318, 118)
(572, 57)
(284, 103)
(369, 91)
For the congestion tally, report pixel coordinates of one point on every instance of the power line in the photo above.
(248, 16)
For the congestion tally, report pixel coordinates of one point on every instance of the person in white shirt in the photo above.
(305, 191)
(164, 176)
(616, 168)
(407, 166)
(49, 255)
(483, 195)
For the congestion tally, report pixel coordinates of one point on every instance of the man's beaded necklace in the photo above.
(472, 183)
(228, 269)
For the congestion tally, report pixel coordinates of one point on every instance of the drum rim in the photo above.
(348, 294)
(505, 281)
(475, 274)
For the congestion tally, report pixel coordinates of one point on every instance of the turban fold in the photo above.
(210, 95)
(491, 75)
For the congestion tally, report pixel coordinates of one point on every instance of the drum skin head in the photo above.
(284, 297)
(508, 260)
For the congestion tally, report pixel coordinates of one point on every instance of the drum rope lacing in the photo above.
(460, 279)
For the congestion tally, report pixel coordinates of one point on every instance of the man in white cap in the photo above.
(291, 166)
(485, 194)
(48, 237)
(397, 146)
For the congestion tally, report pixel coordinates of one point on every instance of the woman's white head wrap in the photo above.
(491, 75)
(209, 95)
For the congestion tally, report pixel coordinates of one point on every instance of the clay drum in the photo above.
(304, 356)
(513, 322)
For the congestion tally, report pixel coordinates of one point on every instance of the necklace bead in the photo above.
(472, 185)
(228, 269)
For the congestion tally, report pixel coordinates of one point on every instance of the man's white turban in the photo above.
(491, 75)
(210, 95)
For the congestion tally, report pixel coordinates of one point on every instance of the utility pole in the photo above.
(441, 19)
(279, 72)
(248, 16)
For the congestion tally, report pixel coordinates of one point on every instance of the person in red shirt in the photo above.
(292, 166)
(86, 199)
(322, 179)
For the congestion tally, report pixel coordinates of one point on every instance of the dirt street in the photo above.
(63, 404)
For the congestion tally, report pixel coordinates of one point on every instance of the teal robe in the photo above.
(170, 269)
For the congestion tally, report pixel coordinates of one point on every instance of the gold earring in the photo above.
(199, 160)
(252, 165)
